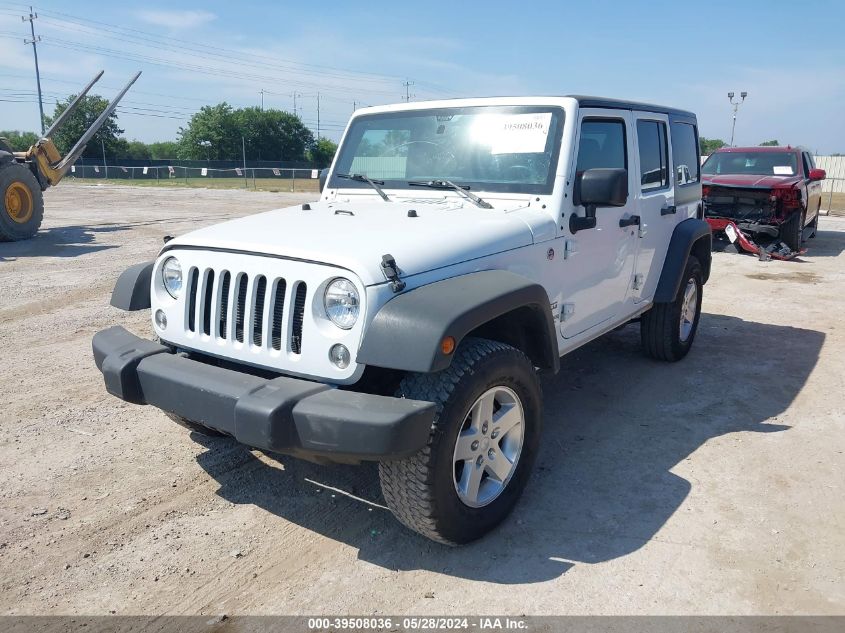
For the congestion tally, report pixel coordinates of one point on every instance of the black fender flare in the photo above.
(690, 234)
(132, 290)
(406, 333)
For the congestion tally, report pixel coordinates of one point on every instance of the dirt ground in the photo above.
(710, 486)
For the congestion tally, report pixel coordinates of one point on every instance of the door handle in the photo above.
(669, 209)
(633, 220)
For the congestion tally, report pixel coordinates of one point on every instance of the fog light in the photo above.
(339, 356)
(161, 320)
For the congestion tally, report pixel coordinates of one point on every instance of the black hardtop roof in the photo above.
(619, 104)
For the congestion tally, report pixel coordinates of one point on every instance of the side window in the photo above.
(685, 153)
(602, 144)
(808, 165)
(654, 155)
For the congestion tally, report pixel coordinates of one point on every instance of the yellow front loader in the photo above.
(25, 175)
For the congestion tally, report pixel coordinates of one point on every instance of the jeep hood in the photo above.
(356, 235)
(750, 180)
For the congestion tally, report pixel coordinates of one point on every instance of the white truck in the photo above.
(457, 249)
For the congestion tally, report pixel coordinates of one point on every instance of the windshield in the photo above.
(752, 163)
(485, 148)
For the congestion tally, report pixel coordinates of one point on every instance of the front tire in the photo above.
(667, 330)
(792, 231)
(481, 448)
(22, 203)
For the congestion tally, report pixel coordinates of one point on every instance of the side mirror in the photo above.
(600, 187)
(818, 174)
(324, 173)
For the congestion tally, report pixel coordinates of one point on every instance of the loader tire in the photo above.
(22, 203)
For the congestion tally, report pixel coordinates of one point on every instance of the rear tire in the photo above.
(667, 330)
(22, 203)
(481, 448)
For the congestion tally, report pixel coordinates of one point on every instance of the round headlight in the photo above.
(342, 303)
(171, 275)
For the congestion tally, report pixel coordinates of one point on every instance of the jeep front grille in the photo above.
(239, 308)
(259, 310)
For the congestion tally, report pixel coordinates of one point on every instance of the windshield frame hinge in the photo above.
(391, 271)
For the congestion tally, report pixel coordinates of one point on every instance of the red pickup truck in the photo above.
(766, 199)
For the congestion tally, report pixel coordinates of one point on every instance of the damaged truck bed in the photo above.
(765, 200)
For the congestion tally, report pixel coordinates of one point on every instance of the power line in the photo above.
(154, 40)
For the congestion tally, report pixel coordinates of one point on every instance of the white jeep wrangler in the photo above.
(458, 248)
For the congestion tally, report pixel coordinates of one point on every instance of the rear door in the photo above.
(686, 163)
(597, 281)
(655, 198)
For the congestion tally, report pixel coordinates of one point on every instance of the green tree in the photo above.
(772, 143)
(322, 153)
(136, 150)
(164, 149)
(212, 133)
(273, 134)
(710, 145)
(82, 118)
(20, 141)
(216, 132)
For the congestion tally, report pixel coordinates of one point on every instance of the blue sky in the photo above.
(790, 57)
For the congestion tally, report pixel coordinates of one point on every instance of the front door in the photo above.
(814, 188)
(599, 278)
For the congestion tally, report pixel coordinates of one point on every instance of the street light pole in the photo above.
(735, 105)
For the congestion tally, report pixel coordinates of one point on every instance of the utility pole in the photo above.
(31, 20)
(262, 99)
(354, 106)
(295, 95)
(318, 116)
(408, 85)
(105, 164)
(735, 105)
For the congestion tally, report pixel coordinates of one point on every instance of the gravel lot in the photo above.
(710, 486)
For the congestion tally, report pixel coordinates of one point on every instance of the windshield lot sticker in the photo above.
(782, 170)
(513, 133)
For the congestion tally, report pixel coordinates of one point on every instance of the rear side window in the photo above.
(685, 153)
(654, 155)
(602, 144)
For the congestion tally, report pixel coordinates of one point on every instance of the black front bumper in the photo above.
(285, 415)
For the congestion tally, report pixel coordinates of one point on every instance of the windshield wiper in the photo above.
(448, 184)
(373, 183)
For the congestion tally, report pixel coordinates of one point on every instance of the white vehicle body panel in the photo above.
(350, 229)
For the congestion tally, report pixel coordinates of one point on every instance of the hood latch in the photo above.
(391, 271)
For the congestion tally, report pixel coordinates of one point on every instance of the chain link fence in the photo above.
(279, 178)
